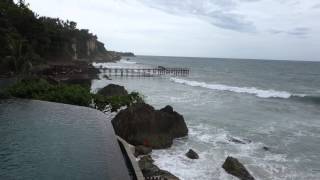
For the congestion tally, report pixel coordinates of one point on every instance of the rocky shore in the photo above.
(146, 128)
(141, 124)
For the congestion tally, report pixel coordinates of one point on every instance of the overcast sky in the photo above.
(258, 29)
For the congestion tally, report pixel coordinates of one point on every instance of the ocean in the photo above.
(273, 104)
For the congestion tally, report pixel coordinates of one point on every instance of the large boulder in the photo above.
(192, 154)
(234, 167)
(151, 171)
(113, 90)
(141, 124)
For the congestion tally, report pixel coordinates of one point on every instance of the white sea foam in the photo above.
(127, 62)
(262, 164)
(248, 90)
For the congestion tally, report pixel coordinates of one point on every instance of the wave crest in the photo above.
(248, 90)
(127, 62)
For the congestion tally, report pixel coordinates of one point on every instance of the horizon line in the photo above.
(229, 58)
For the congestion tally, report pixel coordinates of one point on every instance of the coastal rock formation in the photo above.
(125, 54)
(192, 154)
(142, 150)
(234, 167)
(141, 124)
(151, 171)
(113, 90)
(73, 72)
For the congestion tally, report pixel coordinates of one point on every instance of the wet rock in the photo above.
(149, 170)
(192, 154)
(141, 124)
(146, 164)
(234, 167)
(142, 150)
(113, 90)
(106, 77)
(237, 141)
(266, 148)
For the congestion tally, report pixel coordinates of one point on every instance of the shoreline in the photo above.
(235, 163)
(228, 138)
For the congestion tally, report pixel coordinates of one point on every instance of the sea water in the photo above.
(273, 104)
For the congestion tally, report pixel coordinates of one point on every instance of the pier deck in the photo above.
(145, 72)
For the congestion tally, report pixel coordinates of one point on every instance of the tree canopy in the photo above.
(40, 38)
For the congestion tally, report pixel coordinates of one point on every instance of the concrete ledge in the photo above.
(130, 150)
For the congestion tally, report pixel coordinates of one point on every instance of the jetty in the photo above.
(145, 72)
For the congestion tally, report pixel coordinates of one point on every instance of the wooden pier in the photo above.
(143, 72)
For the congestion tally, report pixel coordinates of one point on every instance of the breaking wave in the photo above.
(127, 62)
(248, 90)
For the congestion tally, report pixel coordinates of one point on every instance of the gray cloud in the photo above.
(231, 21)
(317, 6)
(298, 32)
(216, 12)
(143, 27)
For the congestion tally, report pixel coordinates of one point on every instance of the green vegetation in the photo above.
(27, 39)
(40, 89)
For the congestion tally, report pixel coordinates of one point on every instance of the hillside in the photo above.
(28, 40)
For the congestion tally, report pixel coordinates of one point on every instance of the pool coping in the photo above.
(129, 150)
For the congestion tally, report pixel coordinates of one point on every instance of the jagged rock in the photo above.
(234, 167)
(237, 141)
(266, 148)
(150, 170)
(167, 109)
(142, 150)
(141, 124)
(146, 164)
(192, 154)
(113, 90)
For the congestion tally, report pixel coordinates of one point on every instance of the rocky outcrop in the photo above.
(142, 150)
(151, 171)
(192, 154)
(73, 72)
(141, 124)
(234, 167)
(113, 90)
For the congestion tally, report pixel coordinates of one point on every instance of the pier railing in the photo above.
(145, 72)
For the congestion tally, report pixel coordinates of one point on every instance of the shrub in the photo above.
(40, 89)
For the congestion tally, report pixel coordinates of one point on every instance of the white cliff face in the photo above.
(74, 48)
(91, 46)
